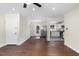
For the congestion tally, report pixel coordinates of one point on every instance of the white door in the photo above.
(12, 28)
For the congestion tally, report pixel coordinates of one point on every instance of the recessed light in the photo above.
(13, 9)
(33, 9)
(28, 3)
(53, 8)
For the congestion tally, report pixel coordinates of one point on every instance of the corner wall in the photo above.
(24, 31)
(2, 30)
(71, 34)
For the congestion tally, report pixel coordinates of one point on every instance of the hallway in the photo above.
(37, 47)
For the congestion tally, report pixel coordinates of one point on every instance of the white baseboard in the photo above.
(71, 48)
(2, 45)
(23, 41)
(11, 43)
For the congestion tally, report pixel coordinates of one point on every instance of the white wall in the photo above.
(24, 31)
(72, 34)
(2, 30)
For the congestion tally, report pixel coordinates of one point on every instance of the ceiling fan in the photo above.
(37, 4)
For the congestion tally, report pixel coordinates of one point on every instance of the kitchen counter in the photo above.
(55, 33)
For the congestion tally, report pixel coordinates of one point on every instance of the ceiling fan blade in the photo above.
(37, 4)
(25, 5)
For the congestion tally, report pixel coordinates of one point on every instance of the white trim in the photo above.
(71, 48)
(23, 41)
(2, 45)
(11, 43)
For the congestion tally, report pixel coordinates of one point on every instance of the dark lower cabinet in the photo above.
(61, 34)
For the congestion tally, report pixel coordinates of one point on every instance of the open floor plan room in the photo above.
(39, 29)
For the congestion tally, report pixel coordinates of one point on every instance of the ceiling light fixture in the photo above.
(53, 8)
(13, 9)
(33, 9)
(28, 3)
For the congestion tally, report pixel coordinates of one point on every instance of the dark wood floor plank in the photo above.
(38, 47)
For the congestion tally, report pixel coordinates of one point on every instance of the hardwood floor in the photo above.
(37, 47)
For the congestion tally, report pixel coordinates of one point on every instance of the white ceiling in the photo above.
(44, 12)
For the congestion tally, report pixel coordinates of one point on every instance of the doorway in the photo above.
(12, 28)
(41, 31)
(44, 31)
(57, 31)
